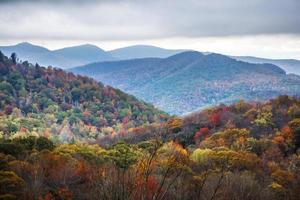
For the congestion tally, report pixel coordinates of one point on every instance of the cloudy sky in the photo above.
(266, 28)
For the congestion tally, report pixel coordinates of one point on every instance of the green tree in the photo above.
(13, 58)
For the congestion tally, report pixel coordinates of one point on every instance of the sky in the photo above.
(264, 28)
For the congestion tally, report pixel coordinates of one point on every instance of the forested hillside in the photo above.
(64, 107)
(66, 137)
(191, 81)
(243, 151)
(199, 119)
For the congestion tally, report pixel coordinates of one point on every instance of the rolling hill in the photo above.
(191, 80)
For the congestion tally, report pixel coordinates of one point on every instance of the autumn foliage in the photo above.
(66, 137)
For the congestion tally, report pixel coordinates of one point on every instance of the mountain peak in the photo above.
(88, 46)
(190, 52)
(24, 48)
(79, 47)
(143, 46)
(30, 46)
(187, 55)
(24, 44)
(143, 51)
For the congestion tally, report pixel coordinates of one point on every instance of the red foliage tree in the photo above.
(215, 119)
(202, 133)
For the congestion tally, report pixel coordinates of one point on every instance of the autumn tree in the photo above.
(11, 186)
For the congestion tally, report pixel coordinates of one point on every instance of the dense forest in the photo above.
(65, 107)
(68, 137)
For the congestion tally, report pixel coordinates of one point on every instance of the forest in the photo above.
(52, 102)
(69, 137)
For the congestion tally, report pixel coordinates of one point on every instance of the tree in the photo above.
(2, 57)
(13, 58)
(215, 119)
(297, 138)
(172, 164)
(123, 157)
(201, 134)
(215, 164)
(44, 143)
(174, 125)
(7, 88)
(15, 150)
(295, 126)
(231, 138)
(11, 186)
(3, 68)
(264, 116)
(76, 93)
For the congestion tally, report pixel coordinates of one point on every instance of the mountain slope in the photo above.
(142, 51)
(63, 58)
(289, 65)
(191, 80)
(65, 105)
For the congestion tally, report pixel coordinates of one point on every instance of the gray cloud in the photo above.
(133, 20)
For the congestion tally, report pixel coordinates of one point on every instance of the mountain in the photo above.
(142, 51)
(65, 106)
(25, 50)
(191, 80)
(82, 54)
(63, 58)
(85, 54)
(289, 65)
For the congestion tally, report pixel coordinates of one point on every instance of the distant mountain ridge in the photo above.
(63, 58)
(289, 65)
(85, 54)
(143, 51)
(69, 57)
(191, 80)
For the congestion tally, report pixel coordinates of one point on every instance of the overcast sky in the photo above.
(266, 28)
